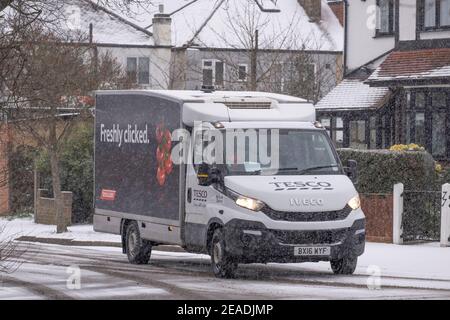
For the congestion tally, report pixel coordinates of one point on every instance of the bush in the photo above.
(21, 169)
(379, 170)
(406, 147)
(77, 163)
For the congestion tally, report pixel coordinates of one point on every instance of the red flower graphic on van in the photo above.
(163, 154)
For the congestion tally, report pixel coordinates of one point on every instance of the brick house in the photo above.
(397, 83)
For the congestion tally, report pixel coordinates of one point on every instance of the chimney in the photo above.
(162, 28)
(313, 9)
(338, 8)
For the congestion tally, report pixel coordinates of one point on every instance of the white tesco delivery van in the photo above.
(245, 177)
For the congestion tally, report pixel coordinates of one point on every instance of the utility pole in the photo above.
(254, 63)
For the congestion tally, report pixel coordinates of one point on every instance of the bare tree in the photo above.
(47, 74)
(37, 7)
(277, 58)
(49, 87)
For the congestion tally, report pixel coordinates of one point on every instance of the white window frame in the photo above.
(314, 64)
(246, 72)
(138, 58)
(213, 68)
(314, 72)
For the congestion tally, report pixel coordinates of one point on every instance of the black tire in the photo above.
(222, 263)
(138, 250)
(346, 265)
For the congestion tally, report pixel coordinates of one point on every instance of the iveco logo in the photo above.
(295, 202)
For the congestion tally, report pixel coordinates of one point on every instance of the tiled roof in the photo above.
(414, 65)
(353, 94)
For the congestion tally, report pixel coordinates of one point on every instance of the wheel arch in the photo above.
(213, 225)
(123, 232)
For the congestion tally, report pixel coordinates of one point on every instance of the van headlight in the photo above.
(355, 202)
(245, 202)
(249, 203)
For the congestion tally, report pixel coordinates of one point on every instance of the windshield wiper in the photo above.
(318, 168)
(288, 169)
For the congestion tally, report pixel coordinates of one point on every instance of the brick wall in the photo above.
(46, 211)
(379, 217)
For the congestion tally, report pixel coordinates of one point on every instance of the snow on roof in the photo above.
(353, 94)
(218, 24)
(72, 18)
(108, 28)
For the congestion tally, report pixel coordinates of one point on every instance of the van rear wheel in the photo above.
(138, 250)
(346, 265)
(222, 263)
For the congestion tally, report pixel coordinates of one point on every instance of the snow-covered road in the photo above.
(106, 274)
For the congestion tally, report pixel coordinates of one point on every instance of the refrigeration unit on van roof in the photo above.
(226, 106)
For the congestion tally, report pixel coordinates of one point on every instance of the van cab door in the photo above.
(197, 196)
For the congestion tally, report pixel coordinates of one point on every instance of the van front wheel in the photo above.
(346, 265)
(138, 250)
(222, 264)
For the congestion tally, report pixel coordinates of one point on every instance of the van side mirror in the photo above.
(352, 170)
(207, 175)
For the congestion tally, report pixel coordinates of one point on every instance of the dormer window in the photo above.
(385, 17)
(435, 14)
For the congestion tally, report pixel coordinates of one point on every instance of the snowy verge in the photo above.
(27, 228)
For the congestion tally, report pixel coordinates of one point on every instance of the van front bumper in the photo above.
(252, 242)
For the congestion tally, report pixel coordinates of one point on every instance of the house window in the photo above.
(132, 67)
(358, 134)
(326, 123)
(384, 132)
(430, 13)
(420, 128)
(373, 126)
(415, 119)
(300, 79)
(435, 14)
(439, 132)
(335, 129)
(138, 69)
(338, 132)
(219, 73)
(428, 121)
(242, 72)
(213, 73)
(276, 78)
(386, 17)
(445, 13)
(439, 121)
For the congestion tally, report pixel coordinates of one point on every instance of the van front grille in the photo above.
(310, 237)
(307, 216)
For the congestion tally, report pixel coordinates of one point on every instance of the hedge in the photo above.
(77, 165)
(379, 170)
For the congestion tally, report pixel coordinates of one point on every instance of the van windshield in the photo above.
(276, 152)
